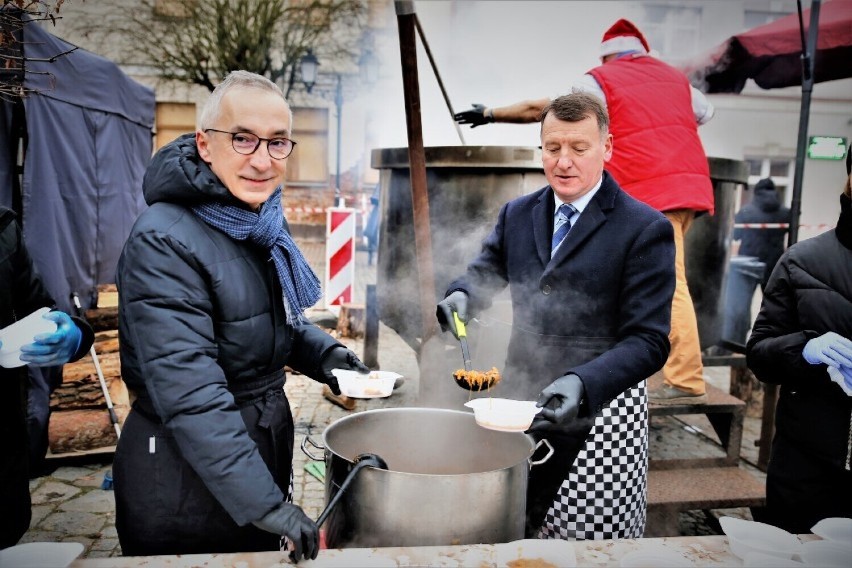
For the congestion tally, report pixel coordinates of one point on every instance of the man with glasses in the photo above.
(213, 290)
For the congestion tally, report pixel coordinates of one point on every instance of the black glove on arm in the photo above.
(475, 116)
(340, 358)
(455, 302)
(289, 520)
(560, 404)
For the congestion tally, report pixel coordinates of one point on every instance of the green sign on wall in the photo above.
(827, 147)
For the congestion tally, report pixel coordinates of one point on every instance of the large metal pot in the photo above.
(448, 480)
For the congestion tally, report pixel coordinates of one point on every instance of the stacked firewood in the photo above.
(79, 419)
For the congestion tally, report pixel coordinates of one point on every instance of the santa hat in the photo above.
(623, 36)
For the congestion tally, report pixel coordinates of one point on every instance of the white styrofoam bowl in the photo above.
(375, 384)
(41, 554)
(503, 414)
(745, 537)
(834, 528)
(826, 553)
(21, 333)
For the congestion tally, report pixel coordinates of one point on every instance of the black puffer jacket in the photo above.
(765, 244)
(809, 294)
(200, 314)
(21, 293)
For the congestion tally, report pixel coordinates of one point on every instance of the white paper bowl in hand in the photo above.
(503, 414)
(745, 537)
(21, 333)
(375, 384)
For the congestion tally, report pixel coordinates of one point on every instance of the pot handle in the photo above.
(545, 458)
(304, 447)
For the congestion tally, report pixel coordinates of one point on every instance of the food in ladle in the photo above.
(478, 380)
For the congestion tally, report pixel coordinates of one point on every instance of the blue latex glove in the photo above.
(830, 348)
(847, 375)
(559, 403)
(50, 349)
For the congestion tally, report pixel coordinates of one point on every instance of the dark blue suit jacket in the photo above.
(600, 308)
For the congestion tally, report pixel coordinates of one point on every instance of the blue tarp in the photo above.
(89, 130)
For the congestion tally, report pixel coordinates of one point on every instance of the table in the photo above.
(696, 550)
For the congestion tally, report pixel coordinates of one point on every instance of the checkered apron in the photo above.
(604, 496)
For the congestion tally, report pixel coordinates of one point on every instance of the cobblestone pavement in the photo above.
(69, 504)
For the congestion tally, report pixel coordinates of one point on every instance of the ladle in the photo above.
(361, 461)
(463, 382)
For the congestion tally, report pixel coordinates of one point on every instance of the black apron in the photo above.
(163, 506)
(594, 485)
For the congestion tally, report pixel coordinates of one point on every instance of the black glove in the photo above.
(474, 117)
(289, 520)
(455, 302)
(340, 358)
(560, 404)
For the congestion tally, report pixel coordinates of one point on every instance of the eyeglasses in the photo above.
(247, 143)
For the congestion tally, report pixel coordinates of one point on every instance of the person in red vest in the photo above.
(657, 158)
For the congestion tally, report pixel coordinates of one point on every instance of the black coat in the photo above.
(201, 318)
(600, 308)
(21, 293)
(767, 245)
(809, 294)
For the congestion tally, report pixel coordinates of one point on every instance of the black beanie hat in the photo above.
(765, 183)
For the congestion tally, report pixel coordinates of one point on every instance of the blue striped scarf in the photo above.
(301, 286)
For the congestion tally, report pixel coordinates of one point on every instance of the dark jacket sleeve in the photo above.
(774, 348)
(486, 274)
(311, 344)
(87, 339)
(26, 292)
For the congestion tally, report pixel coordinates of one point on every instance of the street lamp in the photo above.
(369, 67)
(308, 67)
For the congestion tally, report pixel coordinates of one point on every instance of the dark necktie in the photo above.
(566, 211)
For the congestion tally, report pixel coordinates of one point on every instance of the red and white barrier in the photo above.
(339, 257)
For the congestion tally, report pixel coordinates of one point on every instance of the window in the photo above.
(308, 164)
(673, 31)
(779, 169)
(172, 120)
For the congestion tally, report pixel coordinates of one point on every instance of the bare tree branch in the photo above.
(200, 41)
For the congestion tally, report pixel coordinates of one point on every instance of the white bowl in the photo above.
(834, 528)
(826, 553)
(503, 414)
(41, 554)
(745, 537)
(21, 333)
(375, 384)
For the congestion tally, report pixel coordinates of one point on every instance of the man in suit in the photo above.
(590, 271)
(658, 159)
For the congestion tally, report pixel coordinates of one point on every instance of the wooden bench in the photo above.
(671, 491)
(726, 414)
(703, 483)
